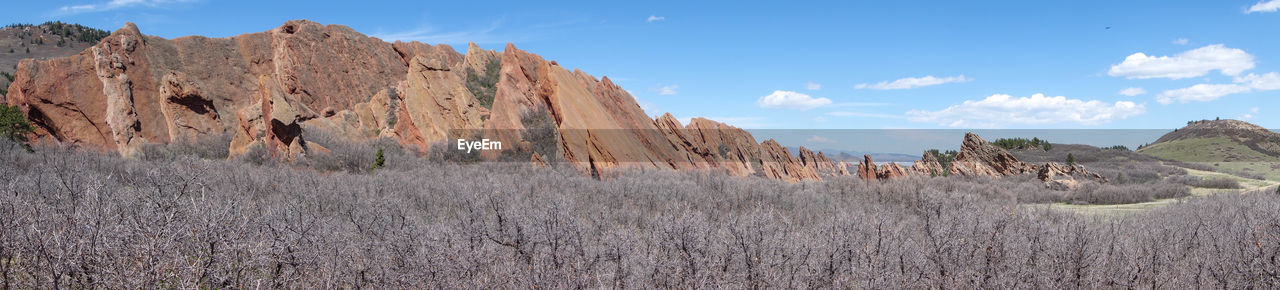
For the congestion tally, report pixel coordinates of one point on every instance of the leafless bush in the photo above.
(1220, 182)
(83, 220)
(1184, 179)
(205, 146)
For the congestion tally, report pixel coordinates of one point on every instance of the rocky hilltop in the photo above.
(49, 39)
(268, 89)
(1217, 141)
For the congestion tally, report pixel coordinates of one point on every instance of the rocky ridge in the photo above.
(979, 158)
(268, 89)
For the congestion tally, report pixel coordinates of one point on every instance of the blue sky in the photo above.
(828, 65)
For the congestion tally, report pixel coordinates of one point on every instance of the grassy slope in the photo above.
(1221, 153)
(1218, 149)
(1116, 210)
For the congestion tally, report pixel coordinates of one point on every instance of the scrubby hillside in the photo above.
(75, 219)
(1217, 141)
(50, 39)
(1224, 145)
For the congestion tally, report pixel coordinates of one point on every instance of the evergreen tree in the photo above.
(379, 161)
(13, 125)
(1071, 159)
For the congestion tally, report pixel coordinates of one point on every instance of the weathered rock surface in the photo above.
(928, 165)
(1064, 177)
(891, 171)
(267, 89)
(867, 168)
(980, 158)
(818, 162)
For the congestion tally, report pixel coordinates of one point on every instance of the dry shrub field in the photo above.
(73, 219)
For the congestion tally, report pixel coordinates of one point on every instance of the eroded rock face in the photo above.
(928, 165)
(891, 171)
(980, 158)
(188, 113)
(1064, 177)
(267, 89)
(438, 102)
(818, 162)
(867, 168)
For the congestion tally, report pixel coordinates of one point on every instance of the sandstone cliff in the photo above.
(267, 89)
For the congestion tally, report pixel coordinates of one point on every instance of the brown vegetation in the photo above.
(85, 220)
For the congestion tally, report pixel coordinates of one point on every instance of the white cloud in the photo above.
(668, 90)
(653, 18)
(1002, 110)
(1131, 91)
(812, 86)
(112, 5)
(1200, 93)
(1210, 92)
(1181, 41)
(819, 139)
(431, 35)
(791, 100)
(1250, 114)
(1265, 82)
(1265, 6)
(911, 83)
(819, 119)
(1188, 64)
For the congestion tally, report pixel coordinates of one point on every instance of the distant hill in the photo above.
(1217, 141)
(47, 40)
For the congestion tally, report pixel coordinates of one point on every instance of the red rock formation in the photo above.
(1058, 177)
(867, 168)
(980, 158)
(928, 165)
(891, 171)
(267, 89)
(818, 162)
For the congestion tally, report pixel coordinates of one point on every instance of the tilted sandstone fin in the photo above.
(268, 88)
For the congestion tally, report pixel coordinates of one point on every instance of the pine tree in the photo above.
(379, 161)
(1071, 159)
(13, 125)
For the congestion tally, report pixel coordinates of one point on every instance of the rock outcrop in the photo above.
(819, 163)
(980, 158)
(928, 165)
(977, 157)
(1064, 177)
(891, 171)
(868, 170)
(268, 89)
